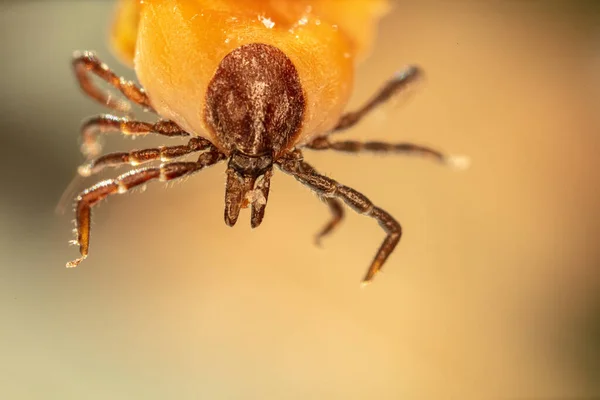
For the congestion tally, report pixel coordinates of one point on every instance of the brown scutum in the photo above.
(254, 103)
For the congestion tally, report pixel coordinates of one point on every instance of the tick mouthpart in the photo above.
(248, 183)
(246, 165)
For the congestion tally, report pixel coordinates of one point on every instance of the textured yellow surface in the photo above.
(356, 18)
(123, 33)
(181, 43)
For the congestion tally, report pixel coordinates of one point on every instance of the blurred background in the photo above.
(494, 291)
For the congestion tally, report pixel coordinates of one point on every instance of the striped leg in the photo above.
(137, 157)
(351, 146)
(391, 87)
(335, 207)
(92, 196)
(337, 215)
(329, 188)
(105, 124)
(87, 63)
(110, 123)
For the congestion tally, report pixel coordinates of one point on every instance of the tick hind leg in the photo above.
(329, 188)
(92, 196)
(87, 63)
(399, 82)
(335, 207)
(337, 215)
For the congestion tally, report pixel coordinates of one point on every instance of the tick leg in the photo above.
(335, 206)
(110, 123)
(92, 196)
(351, 146)
(393, 86)
(137, 157)
(337, 215)
(87, 63)
(329, 188)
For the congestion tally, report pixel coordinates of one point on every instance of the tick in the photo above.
(250, 83)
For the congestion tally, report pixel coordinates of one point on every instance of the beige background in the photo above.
(493, 292)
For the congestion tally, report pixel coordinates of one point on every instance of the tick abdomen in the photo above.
(181, 46)
(255, 102)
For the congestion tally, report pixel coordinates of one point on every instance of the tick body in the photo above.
(249, 82)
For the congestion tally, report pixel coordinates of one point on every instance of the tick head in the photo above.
(254, 107)
(248, 182)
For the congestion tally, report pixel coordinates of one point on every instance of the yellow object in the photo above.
(176, 46)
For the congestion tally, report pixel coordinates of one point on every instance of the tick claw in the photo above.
(364, 284)
(318, 241)
(76, 262)
(459, 163)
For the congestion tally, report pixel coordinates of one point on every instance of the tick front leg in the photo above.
(110, 123)
(92, 196)
(329, 188)
(393, 86)
(137, 157)
(87, 63)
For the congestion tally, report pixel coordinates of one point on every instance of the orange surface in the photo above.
(180, 44)
(123, 34)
